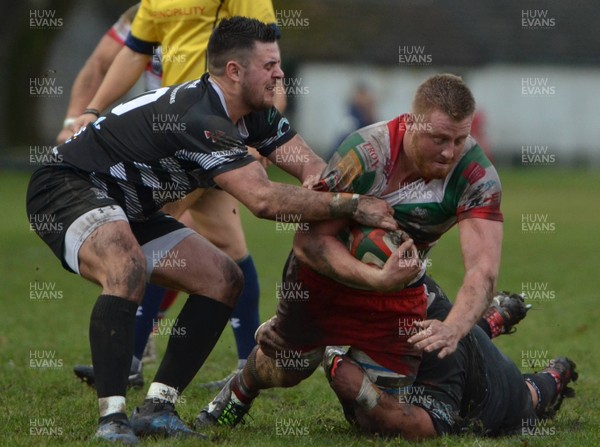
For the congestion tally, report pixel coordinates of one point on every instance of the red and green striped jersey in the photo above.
(426, 208)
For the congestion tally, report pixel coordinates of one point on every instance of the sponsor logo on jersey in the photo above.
(369, 155)
(99, 193)
(214, 135)
(420, 213)
(177, 12)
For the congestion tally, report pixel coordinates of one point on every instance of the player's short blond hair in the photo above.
(445, 92)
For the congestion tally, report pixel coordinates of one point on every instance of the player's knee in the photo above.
(347, 380)
(297, 366)
(291, 378)
(126, 277)
(232, 281)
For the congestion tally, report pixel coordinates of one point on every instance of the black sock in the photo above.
(194, 335)
(111, 341)
(545, 386)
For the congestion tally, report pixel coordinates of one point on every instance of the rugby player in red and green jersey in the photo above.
(434, 175)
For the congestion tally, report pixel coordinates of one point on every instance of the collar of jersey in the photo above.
(241, 124)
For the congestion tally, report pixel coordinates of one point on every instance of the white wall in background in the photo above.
(555, 107)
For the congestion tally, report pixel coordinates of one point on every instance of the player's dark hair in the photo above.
(233, 38)
(447, 93)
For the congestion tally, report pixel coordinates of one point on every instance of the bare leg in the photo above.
(374, 410)
(111, 257)
(262, 372)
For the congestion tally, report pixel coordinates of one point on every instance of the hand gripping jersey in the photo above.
(425, 209)
(183, 27)
(164, 143)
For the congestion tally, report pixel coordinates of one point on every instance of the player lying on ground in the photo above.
(434, 175)
(103, 194)
(476, 389)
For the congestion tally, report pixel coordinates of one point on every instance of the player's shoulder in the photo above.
(473, 151)
(196, 95)
(370, 145)
(472, 158)
(473, 170)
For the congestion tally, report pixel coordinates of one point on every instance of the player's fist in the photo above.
(373, 212)
(267, 338)
(400, 268)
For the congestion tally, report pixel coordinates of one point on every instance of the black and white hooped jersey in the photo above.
(163, 144)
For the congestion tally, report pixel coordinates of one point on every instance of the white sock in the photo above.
(160, 391)
(111, 404)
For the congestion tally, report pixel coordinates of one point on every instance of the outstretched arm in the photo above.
(269, 200)
(481, 245)
(298, 159)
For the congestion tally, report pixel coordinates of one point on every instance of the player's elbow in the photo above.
(261, 206)
(301, 247)
(263, 211)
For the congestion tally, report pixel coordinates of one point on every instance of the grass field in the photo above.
(41, 403)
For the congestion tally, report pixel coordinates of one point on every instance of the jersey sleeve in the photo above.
(143, 37)
(351, 168)
(482, 192)
(267, 130)
(213, 143)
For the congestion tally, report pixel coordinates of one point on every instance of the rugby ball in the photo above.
(373, 246)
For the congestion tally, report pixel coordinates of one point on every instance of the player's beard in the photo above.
(253, 99)
(426, 167)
